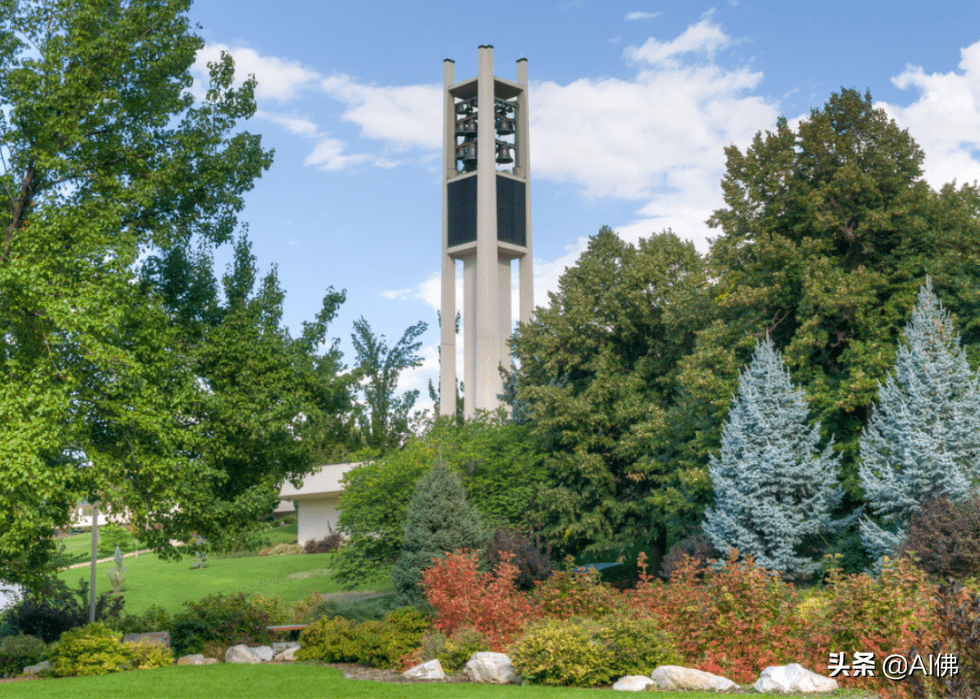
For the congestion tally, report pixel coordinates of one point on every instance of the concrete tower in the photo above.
(486, 223)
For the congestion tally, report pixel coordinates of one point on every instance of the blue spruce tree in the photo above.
(773, 490)
(924, 435)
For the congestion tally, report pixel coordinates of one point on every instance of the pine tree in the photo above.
(439, 520)
(923, 439)
(773, 491)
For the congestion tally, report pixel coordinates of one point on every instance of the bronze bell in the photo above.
(467, 153)
(464, 108)
(504, 155)
(505, 126)
(466, 127)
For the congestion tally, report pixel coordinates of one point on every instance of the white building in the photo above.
(318, 499)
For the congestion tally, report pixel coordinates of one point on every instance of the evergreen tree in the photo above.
(439, 520)
(774, 492)
(924, 437)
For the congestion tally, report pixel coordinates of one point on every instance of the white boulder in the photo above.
(632, 683)
(37, 669)
(264, 652)
(688, 679)
(431, 670)
(278, 648)
(242, 655)
(288, 655)
(793, 678)
(195, 659)
(490, 668)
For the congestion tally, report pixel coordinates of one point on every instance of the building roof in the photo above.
(324, 481)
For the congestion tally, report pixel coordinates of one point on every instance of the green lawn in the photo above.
(282, 681)
(150, 580)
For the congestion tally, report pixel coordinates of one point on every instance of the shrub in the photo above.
(565, 652)
(694, 545)
(315, 606)
(282, 550)
(958, 633)
(146, 655)
(227, 619)
(17, 652)
(54, 608)
(331, 641)
(93, 649)
(576, 592)
(945, 537)
(112, 536)
(331, 542)
(153, 619)
(528, 554)
(464, 597)
(639, 646)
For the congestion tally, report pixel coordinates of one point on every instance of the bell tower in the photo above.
(486, 223)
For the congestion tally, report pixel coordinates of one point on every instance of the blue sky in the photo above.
(631, 106)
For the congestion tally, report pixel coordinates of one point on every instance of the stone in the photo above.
(242, 655)
(793, 678)
(196, 659)
(288, 655)
(211, 661)
(491, 668)
(37, 669)
(278, 648)
(687, 679)
(161, 637)
(264, 652)
(431, 670)
(632, 683)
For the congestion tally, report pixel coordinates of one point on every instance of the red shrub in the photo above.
(463, 596)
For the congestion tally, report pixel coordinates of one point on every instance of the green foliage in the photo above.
(638, 646)
(93, 649)
(329, 640)
(282, 550)
(574, 592)
(17, 652)
(227, 619)
(439, 520)
(452, 653)
(153, 619)
(384, 423)
(106, 155)
(566, 652)
(147, 655)
(498, 463)
(598, 371)
(111, 536)
(54, 608)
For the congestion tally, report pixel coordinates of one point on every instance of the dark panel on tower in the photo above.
(462, 211)
(511, 211)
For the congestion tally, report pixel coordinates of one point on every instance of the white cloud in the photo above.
(704, 38)
(945, 119)
(329, 155)
(404, 116)
(398, 294)
(278, 79)
(295, 125)
(633, 16)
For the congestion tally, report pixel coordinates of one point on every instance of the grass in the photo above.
(225, 681)
(166, 584)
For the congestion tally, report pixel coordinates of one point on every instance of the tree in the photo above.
(385, 424)
(827, 232)
(438, 522)
(499, 466)
(257, 388)
(104, 153)
(923, 439)
(774, 489)
(596, 379)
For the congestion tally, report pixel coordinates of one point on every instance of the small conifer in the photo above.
(773, 489)
(923, 439)
(438, 521)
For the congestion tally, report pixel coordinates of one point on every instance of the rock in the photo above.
(241, 654)
(492, 668)
(37, 669)
(196, 659)
(161, 637)
(211, 661)
(278, 648)
(686, 679)
(264, 652)
(288, 655)
(793, 678)
(431, 670)
(632, 683)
